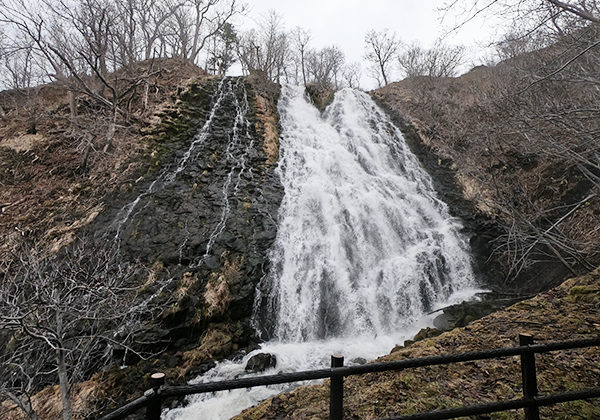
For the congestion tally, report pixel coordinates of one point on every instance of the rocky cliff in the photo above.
(193, 199)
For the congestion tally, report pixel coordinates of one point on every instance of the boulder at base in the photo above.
(260, 362)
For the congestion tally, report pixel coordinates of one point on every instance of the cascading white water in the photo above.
(363, 245)
(364, 248)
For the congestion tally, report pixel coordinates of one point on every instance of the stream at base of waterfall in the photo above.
(364, 250)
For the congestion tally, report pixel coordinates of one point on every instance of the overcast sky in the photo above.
(345, 22)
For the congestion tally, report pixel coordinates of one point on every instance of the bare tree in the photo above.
(381, 48)
(545, 15)
(196, 22)
(268, 49)
(439, 61)
(62, 316)
(152, 17)
(515, 43)
(301, 39)
(21, 73)
(32, 25)
(352, 74)
(325, 66)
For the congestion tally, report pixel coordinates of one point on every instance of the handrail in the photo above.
(527, 352)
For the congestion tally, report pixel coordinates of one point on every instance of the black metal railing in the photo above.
(527, 349)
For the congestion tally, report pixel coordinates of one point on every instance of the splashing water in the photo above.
(364, 248)
(363, 244)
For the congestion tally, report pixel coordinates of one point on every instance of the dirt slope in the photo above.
(50, 186)
(506, 153)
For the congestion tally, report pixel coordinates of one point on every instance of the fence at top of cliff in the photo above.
(530, 402)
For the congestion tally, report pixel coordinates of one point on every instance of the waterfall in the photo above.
(363, 245)
(364, 248)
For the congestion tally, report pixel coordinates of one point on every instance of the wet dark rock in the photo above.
(358, 361)
(198, 370)
(209, 226)
(212, 262)
(261, 362)
(463, 313)
(426, 332)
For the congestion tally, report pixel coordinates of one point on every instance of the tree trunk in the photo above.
(110, 134)
(383, 75)
(303, 69)
(63, 380)
(146, 94)
(24, 403)
(72, 103)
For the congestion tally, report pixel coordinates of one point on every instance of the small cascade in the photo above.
(192, 213)
(168, 175)
(237, 161)
(364, 248)
(169, 205)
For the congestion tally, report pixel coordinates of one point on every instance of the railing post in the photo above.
(528, 374)
(336, 394)
(153, 408)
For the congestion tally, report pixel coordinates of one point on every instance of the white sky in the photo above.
(345, 22)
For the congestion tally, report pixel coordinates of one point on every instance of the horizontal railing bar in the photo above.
(495, 407)
(563, 397)
(127, 409)
(175, 391)
(564, 345)
(309, 375)
(472, 410)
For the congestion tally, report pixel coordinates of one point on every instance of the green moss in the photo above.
(178, 123)
(585, 294)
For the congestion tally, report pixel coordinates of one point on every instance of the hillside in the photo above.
(71, 204)
(569, 311)
(185, 200)
(514, 155)
(54, 172)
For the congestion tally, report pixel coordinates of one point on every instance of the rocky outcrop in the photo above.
(203, 217)
(321, 96)
(260, 362)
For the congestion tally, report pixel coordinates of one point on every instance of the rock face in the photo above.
(261, 362)
(320, 95)
(204, 215)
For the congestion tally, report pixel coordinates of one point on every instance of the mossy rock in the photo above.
(321, 96)
(585, 294)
